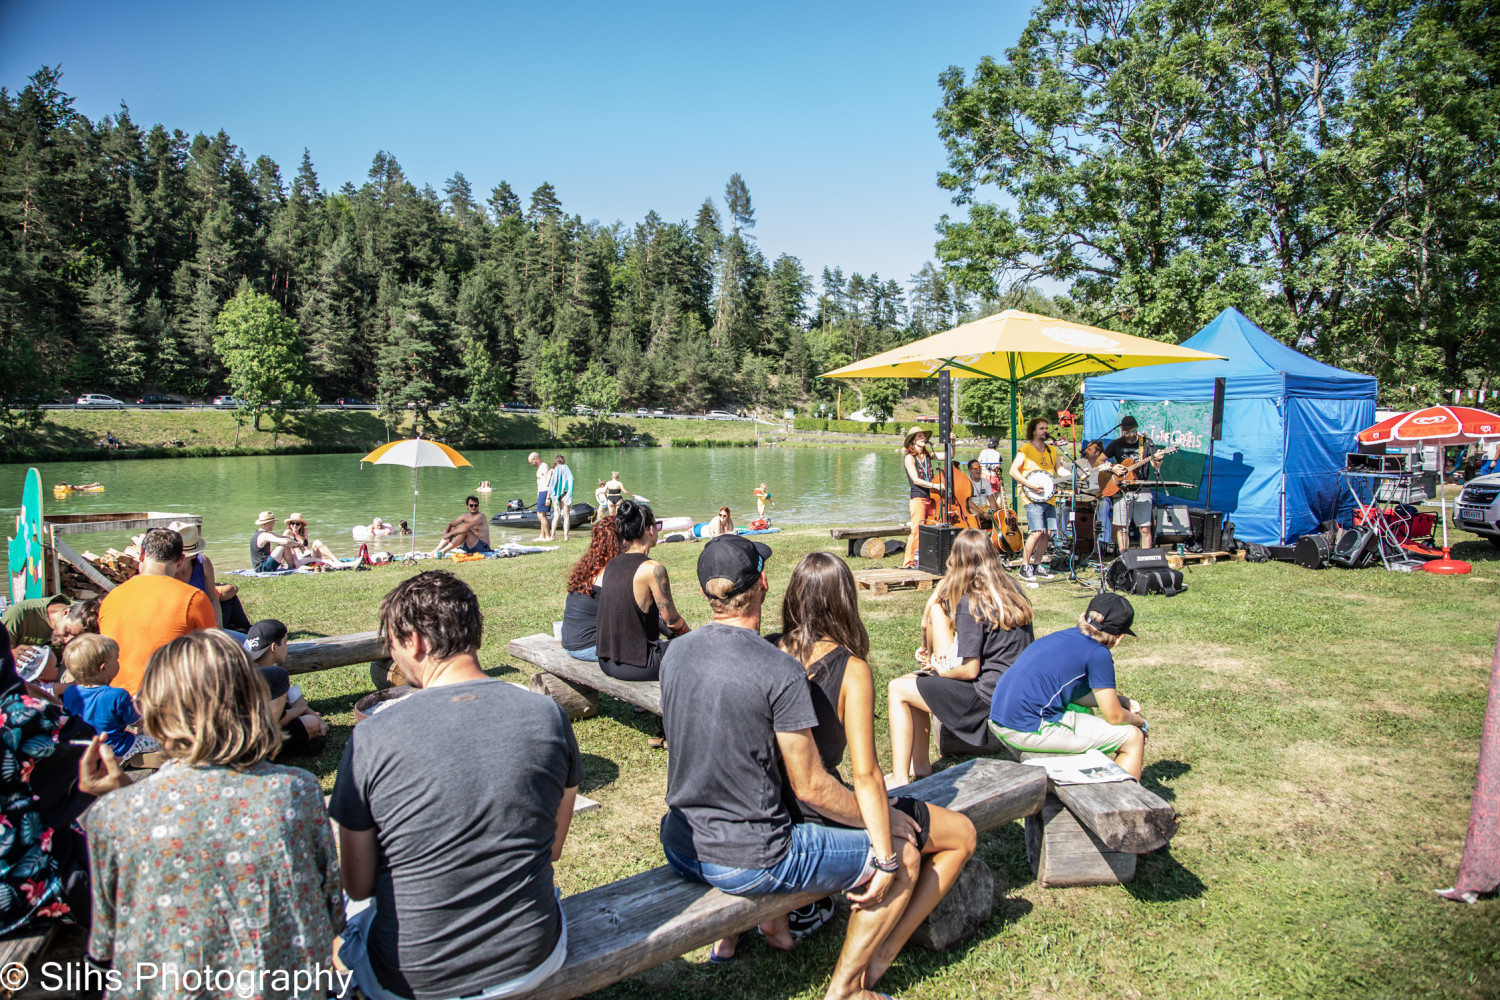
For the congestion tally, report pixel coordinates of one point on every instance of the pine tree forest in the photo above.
(122, 245)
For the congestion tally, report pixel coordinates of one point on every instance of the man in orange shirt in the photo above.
(150, 610)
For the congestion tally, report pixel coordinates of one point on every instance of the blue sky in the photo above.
(825, 109)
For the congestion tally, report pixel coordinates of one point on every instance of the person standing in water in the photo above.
(614, 492)
(543, 480)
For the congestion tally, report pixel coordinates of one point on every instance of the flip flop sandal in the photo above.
(716, 959)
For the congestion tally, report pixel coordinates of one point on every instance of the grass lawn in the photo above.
(1316, 732)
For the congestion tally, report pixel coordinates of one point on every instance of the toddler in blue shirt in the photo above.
(93, 661)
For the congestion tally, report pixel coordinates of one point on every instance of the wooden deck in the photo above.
(1202, 558)
(882, 581)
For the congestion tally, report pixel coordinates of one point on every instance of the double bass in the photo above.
(958, 512)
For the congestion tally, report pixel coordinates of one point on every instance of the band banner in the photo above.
(1185, 425)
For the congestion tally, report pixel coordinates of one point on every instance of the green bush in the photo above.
(710, 443)
(893, 428)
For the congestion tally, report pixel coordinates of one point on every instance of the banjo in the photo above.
(1038, 486)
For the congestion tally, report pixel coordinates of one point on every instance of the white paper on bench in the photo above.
(1089, 768)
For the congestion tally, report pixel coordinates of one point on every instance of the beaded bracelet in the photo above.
(888, 865)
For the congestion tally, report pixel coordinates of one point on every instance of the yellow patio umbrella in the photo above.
(1019, 346)
(415, 453)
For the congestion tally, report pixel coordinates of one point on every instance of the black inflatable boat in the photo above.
(524, 518)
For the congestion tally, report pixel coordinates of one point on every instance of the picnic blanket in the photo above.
(507, 551)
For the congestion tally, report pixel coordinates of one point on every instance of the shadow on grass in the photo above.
(598, 772)
(1157, 773)
(1161, 878)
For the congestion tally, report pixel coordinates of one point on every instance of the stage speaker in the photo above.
(945, 407)
(1145, 571)
(1356, 548)
(1216, 424)
(1208, 528)
(1172, 525)
(934, 542)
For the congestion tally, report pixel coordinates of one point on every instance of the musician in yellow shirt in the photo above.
(1036, 455)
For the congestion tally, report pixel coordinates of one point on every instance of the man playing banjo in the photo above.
(1032, 457)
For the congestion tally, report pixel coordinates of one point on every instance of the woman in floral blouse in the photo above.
(219, 858)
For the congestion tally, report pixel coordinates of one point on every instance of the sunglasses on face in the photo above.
(658, 525)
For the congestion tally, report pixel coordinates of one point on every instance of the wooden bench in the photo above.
(626, 927)
(866, 541)
(1085, 834)
(23, 948)
(308, 655)
(575, 684)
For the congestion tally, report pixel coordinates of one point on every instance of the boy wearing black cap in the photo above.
(1041, 704)
(265, 645)
(737, 711)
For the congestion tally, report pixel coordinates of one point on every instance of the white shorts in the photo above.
(1075, 732)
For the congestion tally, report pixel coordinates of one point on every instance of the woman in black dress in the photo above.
(975, 625)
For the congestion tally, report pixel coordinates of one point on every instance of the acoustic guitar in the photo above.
(1113, 485)
(1007, 534)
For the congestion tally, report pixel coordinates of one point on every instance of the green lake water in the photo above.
(333, 492)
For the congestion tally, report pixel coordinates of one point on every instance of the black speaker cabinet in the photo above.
(934, 542)
(1208, 528)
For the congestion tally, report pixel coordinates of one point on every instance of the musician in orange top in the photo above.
(1037, 455)
(150, 610)
(1132, 505)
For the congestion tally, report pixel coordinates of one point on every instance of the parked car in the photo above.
(514, 404)
(720, 415)
(154, 400)
(583, 411)
(349, 401)
(658, 412)
(228, 401)
(1478, 507)
(641, 411)
(95, 399)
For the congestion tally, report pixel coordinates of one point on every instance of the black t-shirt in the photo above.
(461, 784)
(725, 694)
(1119, 449)
(580, 620)
(996, 648)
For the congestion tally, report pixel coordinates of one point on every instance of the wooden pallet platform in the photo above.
(1202, 558)
(882, 581)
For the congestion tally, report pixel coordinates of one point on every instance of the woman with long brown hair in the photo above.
(582, 608)
(823, 630)
(975, 625)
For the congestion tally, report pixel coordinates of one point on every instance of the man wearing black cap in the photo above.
(732, 704)
(1133, 504)
(1042, 703)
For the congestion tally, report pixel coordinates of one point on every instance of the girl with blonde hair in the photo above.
(974, 626)
(218, 829)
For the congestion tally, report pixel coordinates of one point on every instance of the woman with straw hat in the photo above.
(917, 458)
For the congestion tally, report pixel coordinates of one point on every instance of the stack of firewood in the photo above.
(117, 567)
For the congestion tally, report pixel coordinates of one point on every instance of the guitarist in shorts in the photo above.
(1037, 455)
(1132, 506)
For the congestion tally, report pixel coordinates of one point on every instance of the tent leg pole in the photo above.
(1014, 494)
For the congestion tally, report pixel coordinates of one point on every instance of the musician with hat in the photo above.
(1133, 506)
(916, 457)
(1037, 455)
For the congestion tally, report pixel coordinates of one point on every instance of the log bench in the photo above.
(1084, 834)
(23, 948)
(626, 927)
(308, 655)
(867, 541)
(575, 684)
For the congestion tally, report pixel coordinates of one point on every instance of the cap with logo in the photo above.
(262, 636)
(732, 558)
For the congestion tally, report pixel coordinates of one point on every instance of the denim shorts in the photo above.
(824, 859)
(1041, 517)
(584, 654)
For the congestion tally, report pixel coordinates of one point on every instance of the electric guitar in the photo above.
(1112, 486)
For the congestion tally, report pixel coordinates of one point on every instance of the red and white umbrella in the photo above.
(1437, 426)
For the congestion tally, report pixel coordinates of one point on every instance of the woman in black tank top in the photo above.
(823, 631)
(917, 460)
(628, 636)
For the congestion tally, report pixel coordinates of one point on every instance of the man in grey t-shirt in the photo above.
(452, 805)
(737, 711)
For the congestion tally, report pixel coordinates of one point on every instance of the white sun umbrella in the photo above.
(415, 453)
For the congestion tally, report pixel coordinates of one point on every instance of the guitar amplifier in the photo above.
(1208, 528)
(1172, 525)
(934, 543)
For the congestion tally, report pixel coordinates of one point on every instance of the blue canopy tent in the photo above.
(1288, 423)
